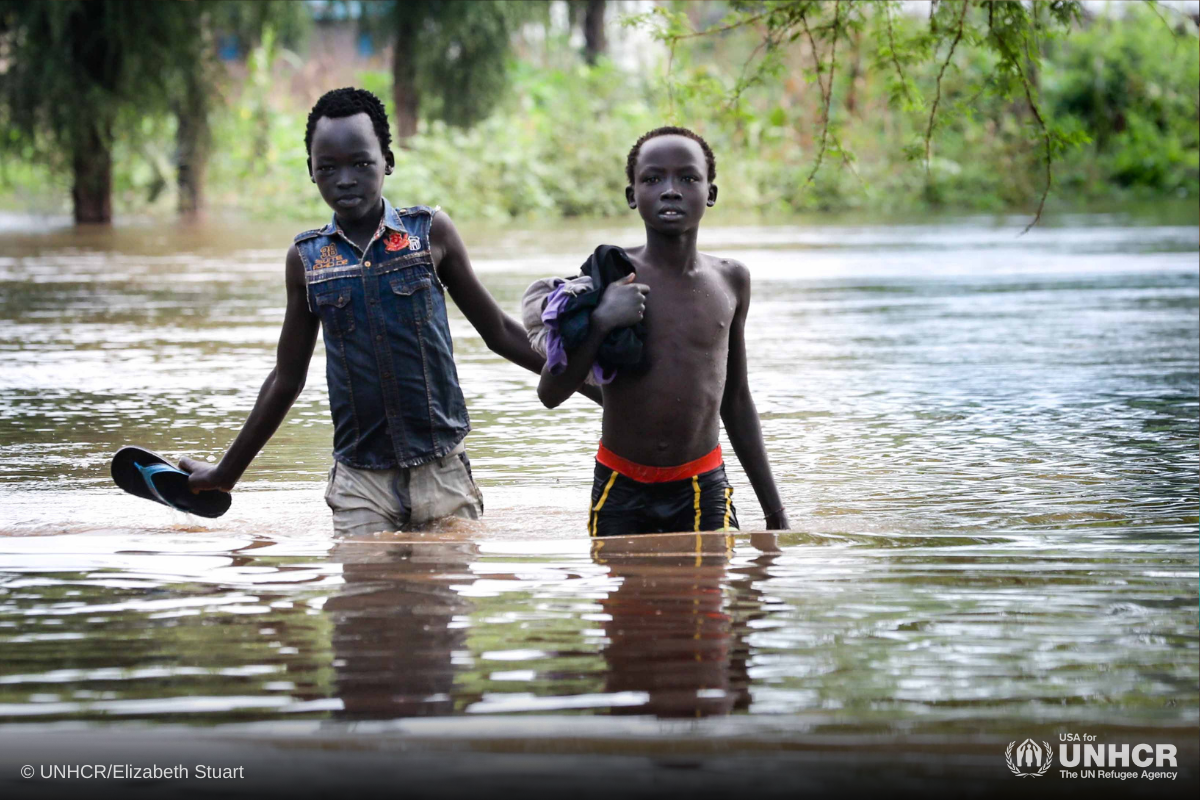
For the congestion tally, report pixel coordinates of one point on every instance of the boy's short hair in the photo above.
(671, 130)
(347, 102)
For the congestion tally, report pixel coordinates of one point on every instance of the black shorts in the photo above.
(621, 506)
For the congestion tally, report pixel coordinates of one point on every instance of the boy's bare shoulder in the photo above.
(734, 272)
(294, 266)
(292, 259)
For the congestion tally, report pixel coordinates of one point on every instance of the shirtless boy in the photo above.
(659, 467)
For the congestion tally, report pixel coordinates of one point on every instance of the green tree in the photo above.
(1132, 83)
(77, 74)
(594, 42)
(450, 57)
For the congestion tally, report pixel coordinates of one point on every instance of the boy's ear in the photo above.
(308, 162)
(629, 197)
(391, 162)
(712, 195)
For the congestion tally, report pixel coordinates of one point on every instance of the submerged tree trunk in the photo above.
(91, 190)
(404, 88)
(594, 44)
(193, 136)
(192, 140)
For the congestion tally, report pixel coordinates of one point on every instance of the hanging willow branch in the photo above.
(768, 43)
(937, 94)
(1012, 58)
(1049, 159)
(826, 88)
(1010, 30)
(887, 12)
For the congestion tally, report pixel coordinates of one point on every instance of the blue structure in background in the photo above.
(328, 10)
(229, 48)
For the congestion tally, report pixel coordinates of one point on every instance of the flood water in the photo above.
(987, 446)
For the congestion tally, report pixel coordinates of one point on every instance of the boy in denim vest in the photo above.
(373, 281)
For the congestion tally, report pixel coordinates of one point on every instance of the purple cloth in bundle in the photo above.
(556, 353)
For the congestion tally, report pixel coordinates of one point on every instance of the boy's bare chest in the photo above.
(692, 310)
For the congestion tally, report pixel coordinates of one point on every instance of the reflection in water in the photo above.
(938, 634)
(676, 624)
(673, 635)
(397, 623)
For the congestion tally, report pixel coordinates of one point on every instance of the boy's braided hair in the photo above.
(347, 102)
(671, 130)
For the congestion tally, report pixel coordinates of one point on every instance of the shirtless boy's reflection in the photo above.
(393, 624)
(673, 632)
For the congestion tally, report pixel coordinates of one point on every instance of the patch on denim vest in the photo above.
(401, 241)
(396, 242)
(330, 257)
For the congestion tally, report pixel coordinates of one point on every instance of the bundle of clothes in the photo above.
(557, 313)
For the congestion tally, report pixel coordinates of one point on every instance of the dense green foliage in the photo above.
(555, 141)
(72, 68)
(76, 74)
(975, 83)
(79, 80)
(458, 50)
(1133, 88)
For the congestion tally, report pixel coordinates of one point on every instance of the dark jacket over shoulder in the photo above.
(623, 348)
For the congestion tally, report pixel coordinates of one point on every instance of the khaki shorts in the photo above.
(373, 500)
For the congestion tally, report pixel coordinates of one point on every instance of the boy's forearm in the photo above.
(592, 393)
(745, 434)
(275, 399)
(553, 390)
(513, 344)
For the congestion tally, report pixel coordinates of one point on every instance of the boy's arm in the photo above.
(741, 417)
(502, 334)
(279, 391)
(622, 304)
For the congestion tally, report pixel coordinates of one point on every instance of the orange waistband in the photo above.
(643, 474)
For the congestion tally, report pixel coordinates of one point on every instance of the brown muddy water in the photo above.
(987, 445)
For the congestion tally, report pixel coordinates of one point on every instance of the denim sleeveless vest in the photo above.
(393, 387)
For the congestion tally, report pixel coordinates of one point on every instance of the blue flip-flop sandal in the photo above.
(147, 474)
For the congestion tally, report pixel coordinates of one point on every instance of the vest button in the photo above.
(379, 337)
(366, 263)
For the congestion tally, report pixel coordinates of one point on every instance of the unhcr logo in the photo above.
(1030, 760)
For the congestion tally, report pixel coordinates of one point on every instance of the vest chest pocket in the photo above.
(335, 311)
(417, 290)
